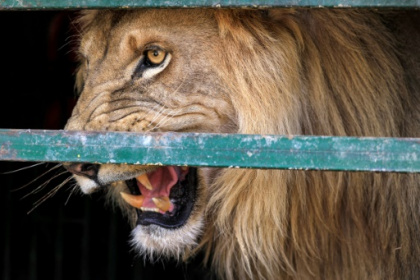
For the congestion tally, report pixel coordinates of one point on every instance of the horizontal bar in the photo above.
(82, 4)
(213, 150)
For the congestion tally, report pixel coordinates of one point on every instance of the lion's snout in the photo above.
(88, 170)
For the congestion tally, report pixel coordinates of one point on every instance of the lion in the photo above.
(340, 72)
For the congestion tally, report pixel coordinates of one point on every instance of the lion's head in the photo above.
(286, 71)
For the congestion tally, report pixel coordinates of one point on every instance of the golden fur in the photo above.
(291, 71)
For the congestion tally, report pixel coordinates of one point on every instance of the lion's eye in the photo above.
(155, 57)
(152, 62)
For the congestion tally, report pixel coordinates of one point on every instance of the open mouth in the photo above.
(163, 197)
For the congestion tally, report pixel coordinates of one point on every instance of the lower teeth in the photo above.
(149, 209)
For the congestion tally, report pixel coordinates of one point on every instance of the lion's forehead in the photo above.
(112, 43)
(106, 30)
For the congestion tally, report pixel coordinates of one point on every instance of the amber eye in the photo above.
(155, 57)
(153, 61)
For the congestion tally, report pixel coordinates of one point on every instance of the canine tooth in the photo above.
(134, 200)
(184, 168)
(144, 180)
(162, 203)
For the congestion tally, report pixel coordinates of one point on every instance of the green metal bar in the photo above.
(214, 150)
(81, 4)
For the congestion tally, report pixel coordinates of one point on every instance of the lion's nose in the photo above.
(88, 170)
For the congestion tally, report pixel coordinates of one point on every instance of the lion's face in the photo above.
(146, 71)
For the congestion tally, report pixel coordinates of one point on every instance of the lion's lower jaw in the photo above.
(154, 241)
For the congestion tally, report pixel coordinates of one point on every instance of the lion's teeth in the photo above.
(149, 209)
(134, 200)
(162, 203)
(144, 180)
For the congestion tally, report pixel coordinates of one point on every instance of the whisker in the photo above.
(149, 110)
(23, 168)
(74, 188)
(49, 194)
(180, 85)
(37, 178)
(157, 115)
(76, 28)
(43, 185)
(169, 116)
(165, 119)
(65, 44)
(161, 111)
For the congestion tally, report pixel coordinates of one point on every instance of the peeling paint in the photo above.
(126, 4)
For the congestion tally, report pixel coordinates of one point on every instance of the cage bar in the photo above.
(213, 150)
(98, 4)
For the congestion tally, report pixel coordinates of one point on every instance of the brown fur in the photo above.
(321, 72)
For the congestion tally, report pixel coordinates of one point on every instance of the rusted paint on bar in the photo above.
(214, 150)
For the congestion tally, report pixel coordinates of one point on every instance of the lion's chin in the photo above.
(174, 232)
(154, 241)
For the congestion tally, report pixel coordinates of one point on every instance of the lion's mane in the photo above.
(318, 72)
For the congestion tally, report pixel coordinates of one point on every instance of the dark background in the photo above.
(69, 236)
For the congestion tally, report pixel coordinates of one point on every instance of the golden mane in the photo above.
(322, 72)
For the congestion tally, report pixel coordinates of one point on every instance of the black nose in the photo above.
(88, 170)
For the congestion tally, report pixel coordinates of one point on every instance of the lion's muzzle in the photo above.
(163, 196)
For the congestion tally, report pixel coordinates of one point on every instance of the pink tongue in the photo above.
(162, 180)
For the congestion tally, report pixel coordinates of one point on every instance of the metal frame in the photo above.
(214, 150)
(83, 4)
